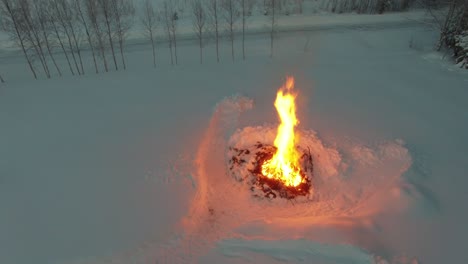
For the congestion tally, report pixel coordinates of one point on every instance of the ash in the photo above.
(245, 166)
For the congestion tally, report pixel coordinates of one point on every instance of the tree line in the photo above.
(212, 20)
(41, 27)
(44, 29)
(366, 6)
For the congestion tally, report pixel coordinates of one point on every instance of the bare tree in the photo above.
(150, 23)
(273, 19)
(123, 13)
(61, 14)
(43, 19)
(32, 34)
(243, 27)
(231, 14)
(199, 18)
(299, 6)
(54, 24)
(166, 17)
(174, 18)
(74, 29)
(84, 24)
(92, 12)
(213, 11)
(106, 10)
(246, 10)
(11, 24)
(170, 17)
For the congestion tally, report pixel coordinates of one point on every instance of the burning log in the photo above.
(248, 163)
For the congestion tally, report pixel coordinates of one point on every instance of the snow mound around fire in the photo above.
(345, 175)
(327, 160)
(348, 178)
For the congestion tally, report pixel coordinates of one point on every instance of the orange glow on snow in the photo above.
(284, 165)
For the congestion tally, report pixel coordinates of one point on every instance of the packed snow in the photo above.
(130, 166)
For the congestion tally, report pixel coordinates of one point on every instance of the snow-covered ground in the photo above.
(129, 166)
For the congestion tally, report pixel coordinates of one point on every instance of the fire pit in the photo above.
(280, 170)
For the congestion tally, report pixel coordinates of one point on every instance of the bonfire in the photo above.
(283, 169)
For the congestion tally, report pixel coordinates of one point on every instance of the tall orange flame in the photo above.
(284, 165)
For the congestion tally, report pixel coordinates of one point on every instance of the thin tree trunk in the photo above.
(168, 28)
(122, 54)
(64, 26)
(104, 59)
(78, 51)
(101, 47)
(1, 79)
(120, 36)
(92, 51)
(217, 45)
(231, 27)
(40, 51)
(40, 13)
(272, 26)
(15, 25)
(47, 43)
(170, 48)
(216, 29)
(57, 34)
(27, 59)
(109, 35)
(88, 35)
(35, 38)
(201, 48)
(52, 57)
(41, 56)
(243, 29)
(446, 25)
(70, 44)
(154, 51)
(175, 46)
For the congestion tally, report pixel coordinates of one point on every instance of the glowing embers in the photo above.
(245, 165)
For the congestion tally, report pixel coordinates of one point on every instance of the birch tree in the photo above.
(123, 13)
(246, 11)
(78, 5)
(11, 24)
(150, 22)
(199, 19)
(174, 19)
(92, 12)
(169, 16)
(231, 14)
(273, 24)
(72, 29)
(75, 29)
(106, 10)
(55, 27)
(213, 10)
(32, 34)
(40, 8)
(62, 16)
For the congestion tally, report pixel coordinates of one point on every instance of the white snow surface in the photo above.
(130, 166)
